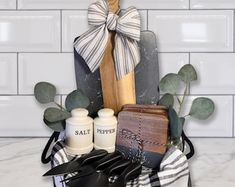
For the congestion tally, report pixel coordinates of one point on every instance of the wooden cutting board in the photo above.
(116, 93)
(146, 76)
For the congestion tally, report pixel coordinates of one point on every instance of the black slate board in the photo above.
(146, 75)
(147, 71)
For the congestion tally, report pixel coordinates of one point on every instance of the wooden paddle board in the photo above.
(116, 93)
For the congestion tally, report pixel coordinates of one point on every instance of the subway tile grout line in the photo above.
(26, 95)
(160, 52)
(17, 71)
(33, 10)
(189, 61)
(147, 19)
(151, 9)
(61, 30)
(163, 52)
(192, 10)
(233, 119)
(212, 52)
(25, 52)
(233, 31)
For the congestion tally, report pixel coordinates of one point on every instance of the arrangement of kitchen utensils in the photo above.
(96, 169)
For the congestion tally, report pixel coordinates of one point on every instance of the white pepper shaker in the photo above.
(105, 130)
(79, 132)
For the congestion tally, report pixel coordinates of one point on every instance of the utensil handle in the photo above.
(94, 155)
(116, 93)
(107, 161)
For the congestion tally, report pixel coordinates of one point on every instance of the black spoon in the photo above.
(74, 165)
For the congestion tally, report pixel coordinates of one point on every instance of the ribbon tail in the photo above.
(126, 55)
(91, 46)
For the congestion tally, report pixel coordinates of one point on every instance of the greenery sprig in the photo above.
(54, 117)
(201, 108)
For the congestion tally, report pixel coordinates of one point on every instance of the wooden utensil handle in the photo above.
(116, 93)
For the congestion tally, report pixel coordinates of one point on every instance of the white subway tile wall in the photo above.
(8, 4)
(193, 31)
(171, 62)
(219, 125)
(83, 4)
(8, 73)
(74, 23)
(22, 116)
(157, 4)
(29, 31)
(216, 73)
(57, 68)
(212, 4)
(54, 4)
(36, 39)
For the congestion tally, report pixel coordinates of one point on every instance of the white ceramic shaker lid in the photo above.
(106, 112)
(79, 117)
(105, 117)
(80, 112)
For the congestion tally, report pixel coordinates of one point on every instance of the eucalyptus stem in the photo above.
(60, 106)
(183, 99)
(186, 116)
(178, 99)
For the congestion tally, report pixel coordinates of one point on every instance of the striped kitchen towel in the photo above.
(173, 172)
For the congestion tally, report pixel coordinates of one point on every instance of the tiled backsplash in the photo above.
(36, 39)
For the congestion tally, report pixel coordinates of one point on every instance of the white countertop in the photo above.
(212, 166)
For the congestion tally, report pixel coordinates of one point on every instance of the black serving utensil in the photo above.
(100, 178)
(74, 165)
(99, 165)
(130, 173)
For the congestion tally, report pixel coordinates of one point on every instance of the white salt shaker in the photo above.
(79, 132)
(105, 130)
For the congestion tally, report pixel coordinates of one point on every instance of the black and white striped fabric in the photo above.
(92, 44)
(174, 169)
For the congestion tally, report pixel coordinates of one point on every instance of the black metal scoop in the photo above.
(99, 165)
(100, 178)
(74, 165)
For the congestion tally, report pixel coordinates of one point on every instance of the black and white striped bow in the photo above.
(92, 44)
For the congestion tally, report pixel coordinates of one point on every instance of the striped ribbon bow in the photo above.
(92, 44)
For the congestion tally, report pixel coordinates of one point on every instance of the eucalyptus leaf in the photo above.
(188, 73)
(176, 126)
(170, 83)
(54, 114)
(202, 108)
(167, 100)
(76, 99)
(57, 126)
(44, 92)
